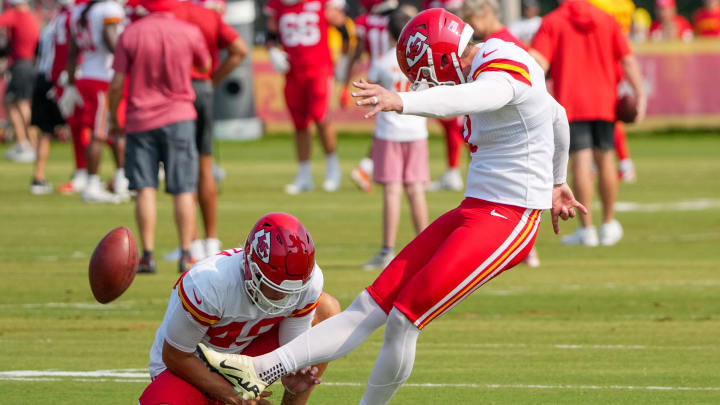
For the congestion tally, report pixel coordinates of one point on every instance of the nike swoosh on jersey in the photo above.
(485, 54)
(199, 301)
(496, 214)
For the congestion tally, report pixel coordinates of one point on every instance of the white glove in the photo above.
(341, 68)
(279, 60)
(70, 98)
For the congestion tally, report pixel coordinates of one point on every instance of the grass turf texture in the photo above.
(600, 325)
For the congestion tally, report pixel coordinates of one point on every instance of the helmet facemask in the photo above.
(427, 76)
(257, 281)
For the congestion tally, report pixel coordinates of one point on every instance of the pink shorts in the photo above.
(458, 253)
(167, 388)
(400, 162)
(308, 97)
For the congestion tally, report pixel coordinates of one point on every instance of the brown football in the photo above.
(626, 108)
(113, 264)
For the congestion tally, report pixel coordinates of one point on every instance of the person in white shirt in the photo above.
(399, 150)
(519, 138)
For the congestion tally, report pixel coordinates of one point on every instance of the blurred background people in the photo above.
(526, 27)
(399, 150)
(160, 118)
(94, 28)
(706, 20)
(669, 25)
(218, 36)
(301, 27)
(23, 31)
(581, 46)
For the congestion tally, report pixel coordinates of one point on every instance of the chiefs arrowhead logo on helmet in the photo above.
(261, 245)
(415, 48)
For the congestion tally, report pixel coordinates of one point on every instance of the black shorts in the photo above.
(45, 112)
(172, 144)
(598, 135)
(205, 119)
(22, 78)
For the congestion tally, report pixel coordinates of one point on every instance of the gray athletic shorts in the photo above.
(204, 124)
(172, 144)
(22, 80)
(598, 135)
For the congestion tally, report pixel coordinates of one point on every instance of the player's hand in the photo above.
(279, 59)
(259, 400)
(641, 107)
(301, 380)
(344, 98)
(70, 98)
(377, 98)
(563, 205)
(116, 131)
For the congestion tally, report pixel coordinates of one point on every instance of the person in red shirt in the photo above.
(581, 46)
(706, 20)
(218, 35)
(160, 117)
(669, 24)
(24, 32)
(301, 27)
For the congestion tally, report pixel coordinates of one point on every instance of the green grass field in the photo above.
(633, 324)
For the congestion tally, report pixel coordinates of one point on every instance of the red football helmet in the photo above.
(379, 6)
(279, 255)
(430, 46)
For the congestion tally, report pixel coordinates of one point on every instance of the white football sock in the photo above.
(326, 341)
(332, 165)
(304, 171)
(120, 172)
(395, 361)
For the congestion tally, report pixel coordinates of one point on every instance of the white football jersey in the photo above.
(97, 59)
(390, 125)
(512, 148)
(217, 309)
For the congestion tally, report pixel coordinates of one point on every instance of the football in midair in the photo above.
(113, 265)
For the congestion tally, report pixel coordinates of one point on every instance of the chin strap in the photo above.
(458, 68)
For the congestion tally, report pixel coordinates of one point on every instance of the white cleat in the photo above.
(451, 180)
(237, 369)
(197, 252)
(21, 153)
(582, 236)
(100, 195)
(41, 187)
(532, 259)
(212, 246)
(379, 261)
(299, 186)
(610, 233)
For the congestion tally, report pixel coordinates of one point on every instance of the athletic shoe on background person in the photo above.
(146, 265)
(451, 180)
(532, 259)
(582, 236)
(21, 153)
(198, 252)
(300, 185)
(77, 183)
(185, 263)
(40, 187)
(361, 175)
(380, 260)
(212, 246)
(610, 233)
(95, 193)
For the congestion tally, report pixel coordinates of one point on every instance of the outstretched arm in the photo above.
(485, 94)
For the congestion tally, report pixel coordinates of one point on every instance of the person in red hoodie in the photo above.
(581, 46)
(24, 32)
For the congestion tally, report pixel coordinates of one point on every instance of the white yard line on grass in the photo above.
(689, 205)
(139, 376)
